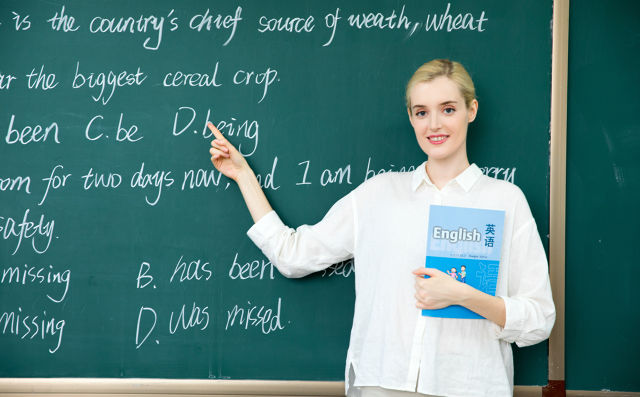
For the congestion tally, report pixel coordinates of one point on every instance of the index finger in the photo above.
(216, 132)
(426, 271)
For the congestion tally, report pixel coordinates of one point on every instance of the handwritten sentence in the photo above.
(154, 26)
(104, 84)
(153, 182)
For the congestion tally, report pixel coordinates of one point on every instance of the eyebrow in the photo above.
(443, 103)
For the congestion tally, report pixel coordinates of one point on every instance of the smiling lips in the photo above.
(437, 139)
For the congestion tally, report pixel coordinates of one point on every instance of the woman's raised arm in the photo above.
(298, 252)
(232, 164)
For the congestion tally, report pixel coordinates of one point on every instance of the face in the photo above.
(440, 118)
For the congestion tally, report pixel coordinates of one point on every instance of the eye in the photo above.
(421, 113)
(449, 110)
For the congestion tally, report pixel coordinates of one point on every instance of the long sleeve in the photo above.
(530, 312)
(309, 248)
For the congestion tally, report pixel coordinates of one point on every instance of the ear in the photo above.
(473, 110)
(410, 118)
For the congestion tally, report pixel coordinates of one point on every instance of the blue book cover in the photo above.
(465, 243)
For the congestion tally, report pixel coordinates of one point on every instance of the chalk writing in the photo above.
(30, 326)
(188, 316)
(200, 178)
(327, 176)
(109, 81)
(22, 23)
(40, 233)
(123, 133)
(331, 22)
(158, 180)
(5, 81)
(342, 269)
(247, 129)
(16, 183)
(261, 78)
(198, 317)
(267, 320)
(338, 176)
(196, 269)
(141, 24)
(181, 79)
(25, 275)
(41, 80)
(378, 20)
(508, 174)
(30, 134)
(370, 172)
(288, 24)
(54, 181)
(268, 181)
(437, 22)
(255, 269)
(208, 21)
(143, 323)
(94, 180)
(144, 278)
(62, 21)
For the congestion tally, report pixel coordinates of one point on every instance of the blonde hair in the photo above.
(443, 67)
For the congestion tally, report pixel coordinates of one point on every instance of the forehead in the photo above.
(439, 90)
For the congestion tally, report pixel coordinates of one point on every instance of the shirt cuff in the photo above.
(266, 227)
(514, 321)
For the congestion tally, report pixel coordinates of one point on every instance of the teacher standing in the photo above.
(382, 224)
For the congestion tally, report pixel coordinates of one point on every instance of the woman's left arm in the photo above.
(526, 313)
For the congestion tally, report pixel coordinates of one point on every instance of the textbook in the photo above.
(465, 243)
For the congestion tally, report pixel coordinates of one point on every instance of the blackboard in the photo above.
(603, 191)
(104, 150)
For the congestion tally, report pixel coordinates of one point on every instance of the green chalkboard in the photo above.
(104, 150)
(603, 191)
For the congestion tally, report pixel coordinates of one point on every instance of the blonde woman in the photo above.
(382, 224)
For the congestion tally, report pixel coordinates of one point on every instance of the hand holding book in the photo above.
(438, 291)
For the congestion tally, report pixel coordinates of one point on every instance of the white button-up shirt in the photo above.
(383, 224)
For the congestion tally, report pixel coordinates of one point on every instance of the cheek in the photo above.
(418, 124)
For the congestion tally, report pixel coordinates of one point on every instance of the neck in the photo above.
(441, 172)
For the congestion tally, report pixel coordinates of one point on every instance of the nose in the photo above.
(434, 122)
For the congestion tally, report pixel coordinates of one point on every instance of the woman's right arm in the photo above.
(232, 164)
(296, 253)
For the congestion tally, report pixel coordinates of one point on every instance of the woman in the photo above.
(382, 224)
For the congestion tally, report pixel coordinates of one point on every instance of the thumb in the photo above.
(427, 271)
(216, 132)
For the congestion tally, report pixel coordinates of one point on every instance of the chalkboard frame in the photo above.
(105, 387)
(557, 189)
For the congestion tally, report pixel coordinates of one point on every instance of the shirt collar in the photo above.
(465, 180)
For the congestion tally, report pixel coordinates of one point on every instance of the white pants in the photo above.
(374, 391)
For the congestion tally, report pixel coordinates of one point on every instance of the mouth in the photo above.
(437, 139)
